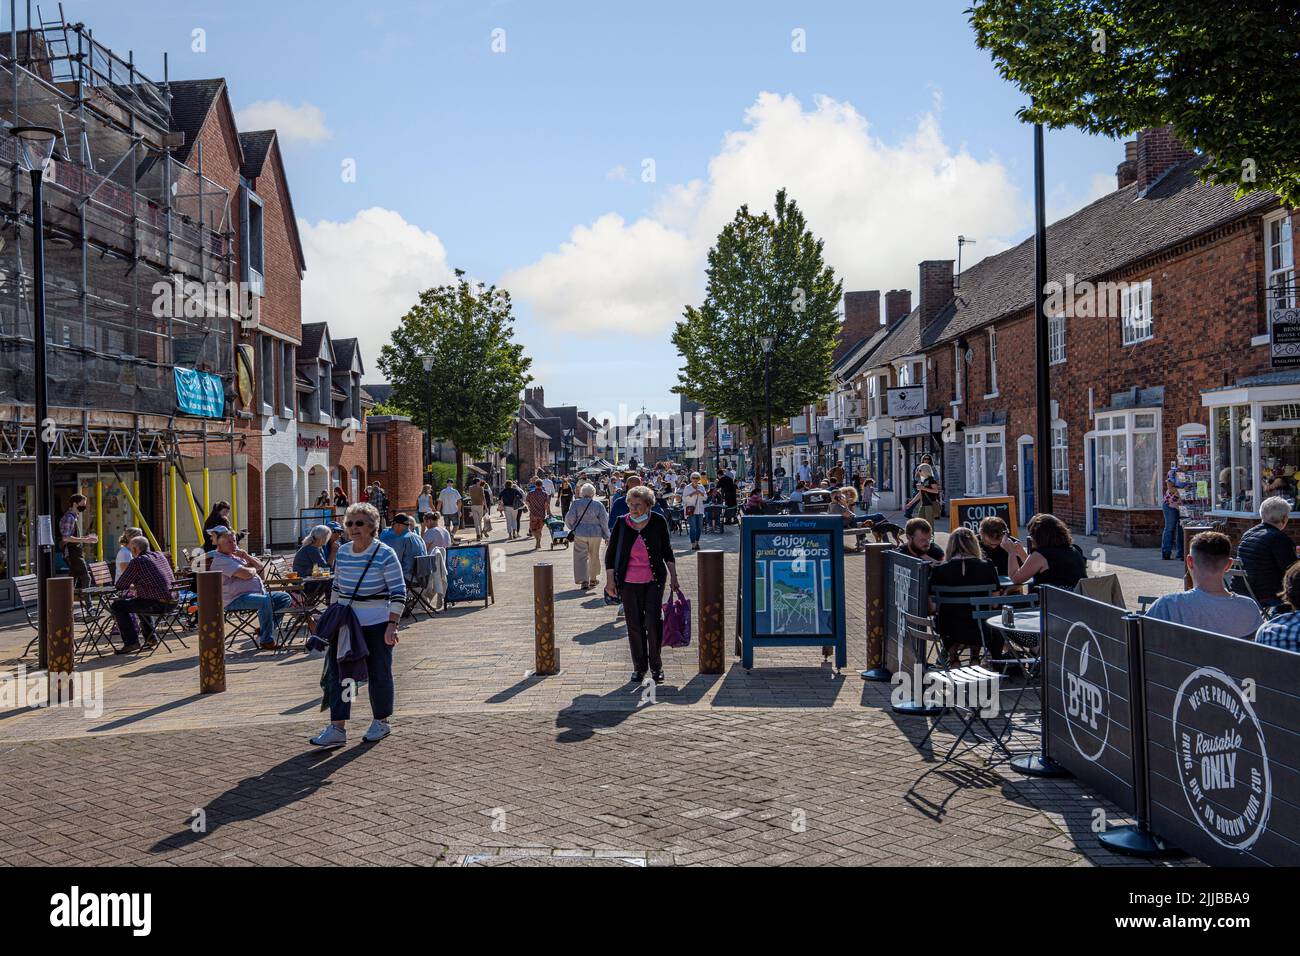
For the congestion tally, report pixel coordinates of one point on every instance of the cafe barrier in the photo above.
(546, 659)
(907, 588)
(1223, 745)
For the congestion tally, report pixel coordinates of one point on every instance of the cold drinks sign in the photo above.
(969, 512)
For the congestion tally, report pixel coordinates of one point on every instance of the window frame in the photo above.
(991, 362)
(1056, 351)
(1288, 299)
(977, 438)
(1255, 414)
(1146, 322)
(958, 377)
(1061, 444)
(1129, 430)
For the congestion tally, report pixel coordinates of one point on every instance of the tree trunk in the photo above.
(460, 469)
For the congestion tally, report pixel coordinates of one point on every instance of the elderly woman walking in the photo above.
(638, 560)
(368, 575)
(539, 509)
(588, 522)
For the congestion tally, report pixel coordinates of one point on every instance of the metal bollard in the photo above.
(59, 633)
(547, 660)
(711, 601)
(212, 632)
(875, 600)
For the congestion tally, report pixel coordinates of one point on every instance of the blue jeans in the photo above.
(379, 666)
(694, 524)
(1171, 542)
(266, 606)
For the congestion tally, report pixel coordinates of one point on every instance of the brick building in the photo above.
(394, 458)
(1161, 357)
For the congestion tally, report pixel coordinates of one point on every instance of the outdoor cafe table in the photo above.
(1023, 630)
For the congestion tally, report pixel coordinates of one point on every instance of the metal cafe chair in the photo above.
(417, 598)
(1021, 649)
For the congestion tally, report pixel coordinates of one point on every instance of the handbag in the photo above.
(487, 524)
(677, 621)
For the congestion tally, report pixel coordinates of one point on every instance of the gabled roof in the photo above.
(315, 340)
(255, 146)
(347, 356)
(856, 359)
(1121, 227)
(381, 392)
(192, 100)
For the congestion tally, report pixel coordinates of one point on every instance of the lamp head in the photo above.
(35, 145)
(766, 342)
(427, 361)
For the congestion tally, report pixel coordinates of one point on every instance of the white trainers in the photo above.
(331, 736)
(378, 731)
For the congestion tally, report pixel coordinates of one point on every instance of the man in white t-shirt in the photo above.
(449, 504)
(548, 486)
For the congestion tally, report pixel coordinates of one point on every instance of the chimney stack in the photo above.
(1127, 171)
(898, 303)
(1157, 150)
(861, 320)
(936, 290)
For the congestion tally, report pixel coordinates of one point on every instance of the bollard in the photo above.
(547, 660)
(711, 602)
(212, 632)
(59, 634)
(875, 574)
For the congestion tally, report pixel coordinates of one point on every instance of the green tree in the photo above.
(766, 277)
(1222, 74)
(478, 369)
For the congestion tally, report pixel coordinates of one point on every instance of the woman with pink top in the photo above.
(638, 561)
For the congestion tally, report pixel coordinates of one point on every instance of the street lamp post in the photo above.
(35, 149)
(427, 361)
(767, 400)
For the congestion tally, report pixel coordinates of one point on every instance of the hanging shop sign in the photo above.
(905, 401)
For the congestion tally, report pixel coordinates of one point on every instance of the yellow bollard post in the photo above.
(99, 519)
(134, 502)
(207, 501)
(234, 501)
(172, 525)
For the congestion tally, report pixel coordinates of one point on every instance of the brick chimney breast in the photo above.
(1127, 171)
(1157, 150)
(898, 303)
(936, 289)
(861, 320)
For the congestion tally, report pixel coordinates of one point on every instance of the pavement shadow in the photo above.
(146, 714)
(609, 631)
(794, 687)
(589, 714)
(282, 785)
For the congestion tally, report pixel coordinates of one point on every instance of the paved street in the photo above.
(490, 765)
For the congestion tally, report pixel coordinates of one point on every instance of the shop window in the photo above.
(986, 462)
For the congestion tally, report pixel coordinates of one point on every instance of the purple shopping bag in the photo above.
(677, 621)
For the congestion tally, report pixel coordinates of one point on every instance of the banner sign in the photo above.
(199, 393)
(792, 583)
(969, 512)
(907, 401)
(1087, 684)
(311, 517)
(1223, 745)
(1284, 337)
(469, 574)
(907, 588)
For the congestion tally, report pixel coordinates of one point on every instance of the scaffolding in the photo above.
(124, 221)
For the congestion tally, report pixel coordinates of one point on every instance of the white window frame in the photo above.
(266, 358)
(977, 481)
(1060, 458)
(1055, 339)
(992, 344)
(958, 375)
(1135, 317)
(1256, 400)
(1284, 272)
(1126, 421)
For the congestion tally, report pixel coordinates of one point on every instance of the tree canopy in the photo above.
(1222, 74)
(478, 370)
(766, 277)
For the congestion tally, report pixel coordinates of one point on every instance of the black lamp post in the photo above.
(35, 149)
(427, 361)
(767, 399)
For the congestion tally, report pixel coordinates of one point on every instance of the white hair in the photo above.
(586, 490)
(1274, 510)
(643, 493)
(319, 533)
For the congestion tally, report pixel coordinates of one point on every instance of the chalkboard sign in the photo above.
(1223, 745)
(969, 512)
(907, 588)
(1086, 667)
(792, 583)
(469, 574)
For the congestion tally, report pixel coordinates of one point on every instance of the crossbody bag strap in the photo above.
(361, 579)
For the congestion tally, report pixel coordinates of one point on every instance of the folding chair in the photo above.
(244, 622)
(298, 617)
(960, 595)
(417, 587)
(169, 623)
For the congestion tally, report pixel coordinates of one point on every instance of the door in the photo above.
(1027, 480)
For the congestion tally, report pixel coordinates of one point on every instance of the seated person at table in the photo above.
(1052, 558)
(1265, 552)
(962, 567)
(433, 534)
(796, 497)
(754, 503)
(149, 578)
(408, 545)
(918, 540)
(1209, 605)
(242, 588)
(993, 532)
(1283, 630)
(313, 554)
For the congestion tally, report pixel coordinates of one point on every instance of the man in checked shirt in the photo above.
(149, 576)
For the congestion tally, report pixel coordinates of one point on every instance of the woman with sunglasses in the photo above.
(368, 575)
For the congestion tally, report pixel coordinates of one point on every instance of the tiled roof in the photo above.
(380, 393)
(904, 338)
(313, 334)
(857, 358)
(344, 350)
(256, 146)
(191, 101)
(1100, 238)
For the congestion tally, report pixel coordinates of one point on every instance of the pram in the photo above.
(559, 533)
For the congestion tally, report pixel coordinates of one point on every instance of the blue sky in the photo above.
(526, 165)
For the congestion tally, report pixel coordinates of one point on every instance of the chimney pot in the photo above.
(936, 290)
(1158, 149)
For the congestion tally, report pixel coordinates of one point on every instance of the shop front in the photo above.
(917, 437)
(878, 461)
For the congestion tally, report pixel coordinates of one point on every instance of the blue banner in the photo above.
(199, 393)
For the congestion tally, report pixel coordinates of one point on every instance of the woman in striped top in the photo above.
(372, 570)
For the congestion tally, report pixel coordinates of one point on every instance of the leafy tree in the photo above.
(478, 369)
(766, 277)
(1222, 74)
(389, 408)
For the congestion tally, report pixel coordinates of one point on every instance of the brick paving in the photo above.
(489, 765)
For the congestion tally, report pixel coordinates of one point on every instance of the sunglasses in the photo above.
(357, 524)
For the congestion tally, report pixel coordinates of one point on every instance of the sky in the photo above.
(584, 155)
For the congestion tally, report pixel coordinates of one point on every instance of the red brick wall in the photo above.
(282, 303)
(861, 319)
(403, 477)
(1207, 304)
(898, 302)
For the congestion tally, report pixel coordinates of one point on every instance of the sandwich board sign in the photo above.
(469, 574)
(792, 584)
(969, 512)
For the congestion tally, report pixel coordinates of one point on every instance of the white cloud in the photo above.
(617, 173)
(295, 124)
(363, 275)
(881, 207)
